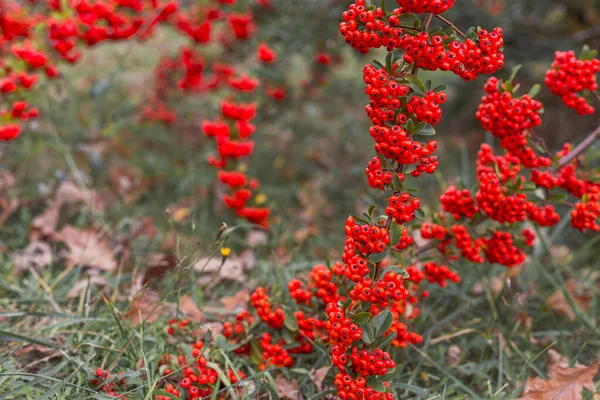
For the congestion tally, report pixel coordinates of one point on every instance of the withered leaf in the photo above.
(564, 383)
(87, 248)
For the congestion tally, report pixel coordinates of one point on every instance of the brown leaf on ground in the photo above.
(188, 307)
(318, 376)
(559, 304)
(288, 389)
(67, 194)
(564, 383)
(37, 256)
(147, 307)
(128, 182)
(234, 267)
(240, 300)
(159, 264)
(81, 286)
(87, 247)
(453, 356)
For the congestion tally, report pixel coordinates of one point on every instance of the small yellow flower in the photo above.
(225, 251)
(260, 198)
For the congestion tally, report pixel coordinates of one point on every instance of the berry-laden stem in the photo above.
(581, 147)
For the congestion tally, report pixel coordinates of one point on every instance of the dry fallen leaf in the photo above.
(81, 286)
(86, 248)
(67, 194)
(128, 182)
(453, 356)
(188, 307)
(240, 300)
(288, 389)
(37, 256)
(560, 305)
(147, 307)
(233, 268)
(564, 383)
(318, 376)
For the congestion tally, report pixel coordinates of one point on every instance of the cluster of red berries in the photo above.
(265, 54)
(382, 292)
(274, 354)
(370, 29)
(509, 118)
(385, 95)
(366, 239)
(568, 76)
(500, 249)
(321, 277)
(350, 389)
(426, 6)
(470, 249)
(433, 231)
(107, 383)
(340, 329)
(368, 363)
(586, 213)
(298, 293)
(405, 240)
(427, 108)
(401, 207)
(466, 59)
(492, 198)
(458, 203)
(242, 24)
(376, 176)
(396, 144)
(262, 303)
(236, 331)
(439, 274)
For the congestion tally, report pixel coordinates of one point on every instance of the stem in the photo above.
(581, 147)
(444, 20)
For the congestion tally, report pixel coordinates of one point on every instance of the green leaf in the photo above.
(360, 219)
(440, 88)
(382, 322)
(508, 86)
(513, 72)
(388, 339)
(397, 183)
(425, 130)
(535, 89)
(377, 64)
(371, 210)
(290, 321)
(374, 383)
(378, 257)
(558, 197)
(347, 304)
(397, 269)
(412, 191)
(368, 333)
(361, 318)
(419, 213)
(395, 233)
(388, 62)
(222, 343)
(410, 126)
(415, 81)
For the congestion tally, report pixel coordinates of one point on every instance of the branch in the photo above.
(444, 20)
(581, 147)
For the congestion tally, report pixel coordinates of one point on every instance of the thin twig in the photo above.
(444, 20)
(581, 147)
